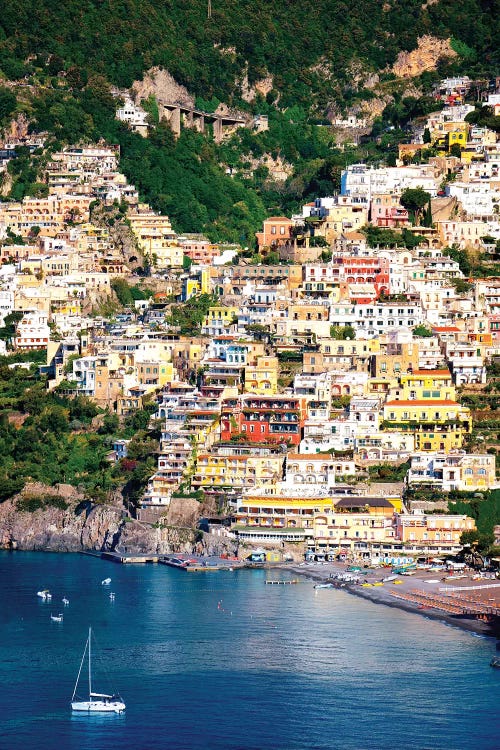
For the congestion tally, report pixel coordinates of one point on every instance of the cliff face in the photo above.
(57, 530)
(426, 56)
(83, 526)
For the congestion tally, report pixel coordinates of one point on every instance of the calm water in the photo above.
(219, 660)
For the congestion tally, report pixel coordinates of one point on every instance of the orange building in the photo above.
(276, 231)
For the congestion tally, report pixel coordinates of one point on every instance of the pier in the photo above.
(284, 583)
(124, 558)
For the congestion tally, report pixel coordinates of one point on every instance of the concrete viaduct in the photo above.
(181, 116)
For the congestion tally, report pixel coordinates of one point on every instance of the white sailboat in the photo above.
(96, 702)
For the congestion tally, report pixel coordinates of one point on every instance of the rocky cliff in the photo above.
(85, 526)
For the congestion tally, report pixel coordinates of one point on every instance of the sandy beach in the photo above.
(431, 594)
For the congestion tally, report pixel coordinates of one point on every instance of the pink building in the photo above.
(387, 211)
(201, 252)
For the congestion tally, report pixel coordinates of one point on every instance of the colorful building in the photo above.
(264, 418)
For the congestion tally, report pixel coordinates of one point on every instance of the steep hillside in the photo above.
(296, 63)
(306, 47)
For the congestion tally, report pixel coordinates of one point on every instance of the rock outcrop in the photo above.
(426, 56)
(85, 526)
(159, 83)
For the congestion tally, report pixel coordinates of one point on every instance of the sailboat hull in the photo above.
(100, 707)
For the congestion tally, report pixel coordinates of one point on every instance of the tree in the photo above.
(8, 104)
(342, 333)
(422, 332)
(414, 199)
(461, 286)
(427, 136)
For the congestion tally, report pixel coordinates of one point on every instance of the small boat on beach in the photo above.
(94, 702)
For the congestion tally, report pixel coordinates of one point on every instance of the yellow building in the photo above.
(449, 134)
(393, 359)
(218, 319)
(199, 284)
(236, 471)
(154, 374)
(434, 533)
(356, 526)
(336, 355)
(438, 425)
(426, 384)
(342, 217)
(262, 377)
(266, 516)
(156, 239)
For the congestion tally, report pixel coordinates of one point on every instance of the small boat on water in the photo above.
(65, 601)
(45, 595)
(95, 702)
(495, 662)
(324, 586)
(106, 582)
(112, 596)
(57, 618)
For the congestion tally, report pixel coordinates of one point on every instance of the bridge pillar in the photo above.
(175, 121)
(218, 129)
(199, 123)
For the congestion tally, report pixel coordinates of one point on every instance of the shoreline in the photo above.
(382, 595)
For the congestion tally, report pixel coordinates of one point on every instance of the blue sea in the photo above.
(220, 661)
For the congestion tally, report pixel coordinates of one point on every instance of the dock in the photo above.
(193, 567)
(282, 583)
(124, 558)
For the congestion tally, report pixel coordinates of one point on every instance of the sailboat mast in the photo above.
(90, 671)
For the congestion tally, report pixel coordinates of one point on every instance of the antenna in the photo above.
(209, 9)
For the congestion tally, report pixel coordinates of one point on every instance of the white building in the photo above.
(134, 116)
(372, 320)
(361, 181)
(455, 471)
(32, 331)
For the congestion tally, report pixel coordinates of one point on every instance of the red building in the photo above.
(352, 269)
(264, 419)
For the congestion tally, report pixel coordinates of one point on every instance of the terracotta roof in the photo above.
(442, 329)
(278, 218)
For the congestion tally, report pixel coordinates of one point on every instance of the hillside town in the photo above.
(318, 393)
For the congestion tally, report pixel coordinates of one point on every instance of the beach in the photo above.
(431, 594)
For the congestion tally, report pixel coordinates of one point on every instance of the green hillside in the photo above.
(309, 49)
(122, 38)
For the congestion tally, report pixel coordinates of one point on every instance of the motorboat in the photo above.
(324, 586)
(65, 601)
(45, 595)
(106, 582)
(495, 662)
(94, 702)
(57, 618)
